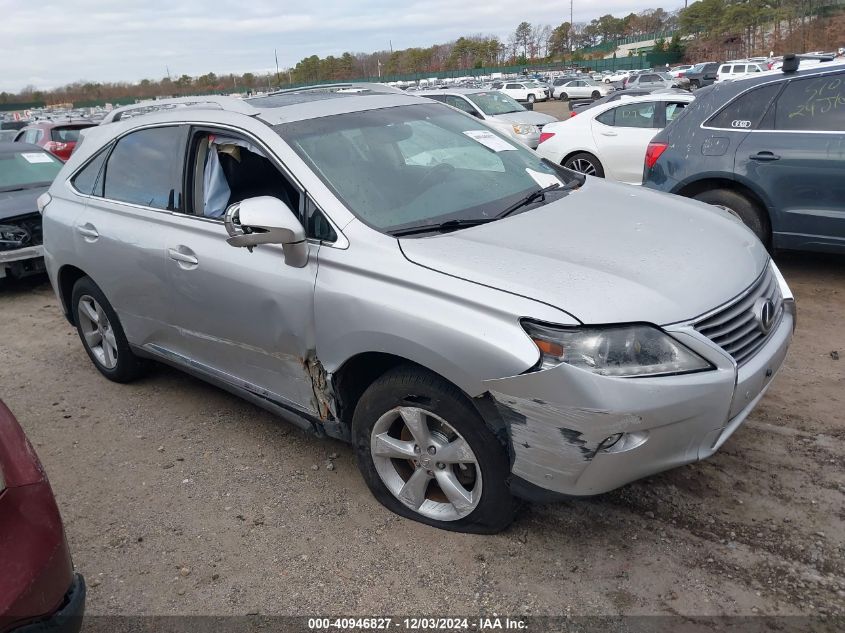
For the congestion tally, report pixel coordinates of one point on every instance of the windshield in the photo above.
(417, 165)
(27, 169)
(494, 103)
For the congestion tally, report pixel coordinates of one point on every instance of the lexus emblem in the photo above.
(764, 314)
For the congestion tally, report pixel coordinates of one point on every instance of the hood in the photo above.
(533, 118)
(606, 253)
(14, 203)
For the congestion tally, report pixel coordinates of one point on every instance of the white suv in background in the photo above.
(735, 70)
(524, 91)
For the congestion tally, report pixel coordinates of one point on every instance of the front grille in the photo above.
(735, 328)
(29, 231)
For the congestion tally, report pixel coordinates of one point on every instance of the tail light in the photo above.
(572, 114)
(654, 152)
(681, 74)
(545, 136)
(54, 146)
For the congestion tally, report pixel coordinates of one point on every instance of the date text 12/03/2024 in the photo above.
(494, 623)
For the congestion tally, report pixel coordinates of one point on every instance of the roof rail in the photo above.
(352, 86)
(217, 102)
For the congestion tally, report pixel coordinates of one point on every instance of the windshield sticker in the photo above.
(36, 157)
(544, 180)
(489, 140)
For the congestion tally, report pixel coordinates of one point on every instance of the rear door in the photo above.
(119, 234)
(797, 158)
(621, 135)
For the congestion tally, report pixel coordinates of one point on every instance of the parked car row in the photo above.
(758, 145)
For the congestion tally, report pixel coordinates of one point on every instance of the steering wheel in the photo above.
(439, 170)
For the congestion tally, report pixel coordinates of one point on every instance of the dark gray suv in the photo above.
(770, 149)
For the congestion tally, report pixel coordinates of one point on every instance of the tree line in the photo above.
(713, 29)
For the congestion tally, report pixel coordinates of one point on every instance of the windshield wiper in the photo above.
(443, 227)
(531, 197)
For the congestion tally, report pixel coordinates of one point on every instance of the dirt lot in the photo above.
(181, 499)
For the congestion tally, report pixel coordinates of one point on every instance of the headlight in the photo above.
(632, 350)
(522, 128)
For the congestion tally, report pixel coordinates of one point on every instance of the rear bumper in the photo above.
(68, 618)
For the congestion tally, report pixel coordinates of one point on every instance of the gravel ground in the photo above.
(179, 498)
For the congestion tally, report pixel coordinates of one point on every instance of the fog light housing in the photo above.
(621, 442)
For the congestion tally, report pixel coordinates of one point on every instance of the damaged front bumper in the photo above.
(20, 262)
(573, 432)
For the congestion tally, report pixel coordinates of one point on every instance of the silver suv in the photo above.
(479, 324)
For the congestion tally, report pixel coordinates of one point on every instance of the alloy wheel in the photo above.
(426, 464)
(583, 166)
(97, 331)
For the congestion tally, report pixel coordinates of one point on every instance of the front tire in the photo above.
(585, 163)
(101, 333)
(742, 207)
(426, 454)
(564, 96)
(531, 98)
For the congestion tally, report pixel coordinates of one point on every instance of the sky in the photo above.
(51, 43)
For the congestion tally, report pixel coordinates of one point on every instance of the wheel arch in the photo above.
(357, 373)
(66, 278)
(692, 189)
(573, 152)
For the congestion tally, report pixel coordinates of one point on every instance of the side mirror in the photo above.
(266, 220)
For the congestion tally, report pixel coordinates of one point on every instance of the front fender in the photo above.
(369, 298)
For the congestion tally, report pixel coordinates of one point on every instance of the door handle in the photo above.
(764, 156)
(609, 133)
(88, 232)
(182, 258)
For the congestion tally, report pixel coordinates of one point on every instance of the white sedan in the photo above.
(610, 140)
(619, 75)
(581, 89)
(524, 91)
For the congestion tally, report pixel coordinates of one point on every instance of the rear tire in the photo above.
(741, 206)
(409, 420)
(585, 163)
(101, 333)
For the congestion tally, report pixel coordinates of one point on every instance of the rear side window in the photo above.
(725, 69)
(629, 115)
(33, 136)
(87, 180)
(145, 168)
(815, 104)
(746, 111)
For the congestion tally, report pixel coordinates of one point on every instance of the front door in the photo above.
(244, 317)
